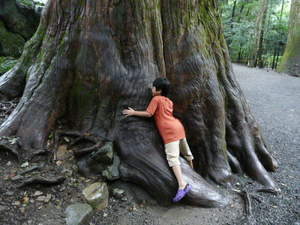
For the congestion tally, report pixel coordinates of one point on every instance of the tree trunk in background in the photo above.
(260, 29)
(290, 62)
(232, 21)
(90, 59)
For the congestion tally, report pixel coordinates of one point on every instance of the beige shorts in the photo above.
(174, 149)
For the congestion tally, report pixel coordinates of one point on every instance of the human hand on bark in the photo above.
(128, 112)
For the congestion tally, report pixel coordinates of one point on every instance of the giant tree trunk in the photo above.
(290, 62)
(90, 59)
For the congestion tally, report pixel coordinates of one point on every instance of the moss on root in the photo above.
(6, 63)
(10, 44)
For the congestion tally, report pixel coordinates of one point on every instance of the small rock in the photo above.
(109, 152)
(118, 193)
(37, 193)
(25, 164)
(97, 195)
(62, 189)
(22, 210)
(26, 200)
(17, 203)
(112, 172)
(47, 198)
(78, 214)
(62, 152)
(133, 208)
(124, 199)
(9, 193)
(41, 198)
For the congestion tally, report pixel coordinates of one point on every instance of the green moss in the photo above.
(6, 63)
(10, 44)
(28, 3)
(291, 52)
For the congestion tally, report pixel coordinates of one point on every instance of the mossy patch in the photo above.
(291, 55)
(10, 44)
(28, 3)
(6, 63)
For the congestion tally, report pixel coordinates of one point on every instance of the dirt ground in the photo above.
(274, 100)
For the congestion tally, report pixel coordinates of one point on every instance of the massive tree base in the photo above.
(91, 59)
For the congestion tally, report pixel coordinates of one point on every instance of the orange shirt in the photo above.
(169, 127)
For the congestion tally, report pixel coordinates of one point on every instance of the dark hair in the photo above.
(162, 84)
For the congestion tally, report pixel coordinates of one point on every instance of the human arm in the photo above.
(150, 111)
(132, 112)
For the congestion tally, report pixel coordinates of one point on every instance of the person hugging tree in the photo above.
(170, 129)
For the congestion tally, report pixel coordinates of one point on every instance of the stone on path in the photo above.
(112, 172)
(78, 214)
(97, 195)
(118, 193)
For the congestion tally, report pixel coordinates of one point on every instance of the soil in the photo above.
(274, 101)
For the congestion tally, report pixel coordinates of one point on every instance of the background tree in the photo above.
(290, 62)
(260, 30)
(89, 60)
(241, 32)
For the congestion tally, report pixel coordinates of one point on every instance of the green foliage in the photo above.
(240, 30)
(28, 3)
(6, 63)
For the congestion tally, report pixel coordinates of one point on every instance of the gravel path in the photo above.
(274, 100)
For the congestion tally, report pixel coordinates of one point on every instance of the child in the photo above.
(171, 130)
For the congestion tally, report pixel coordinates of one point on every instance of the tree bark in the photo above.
(260, 29)
(290, 62)
(91, 59)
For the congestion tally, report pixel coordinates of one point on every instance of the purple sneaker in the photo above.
(181, 193)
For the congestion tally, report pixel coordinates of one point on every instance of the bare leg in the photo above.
(178, 175)
(191, 164)
(186, 151)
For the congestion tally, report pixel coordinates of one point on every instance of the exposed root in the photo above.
(9, 146)
(234, 163)
(274, 191)
(246, 197)
(80, 138)
(38, 153)
(87, 150)
(248, 205)
(30, 169)
(43, 181)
